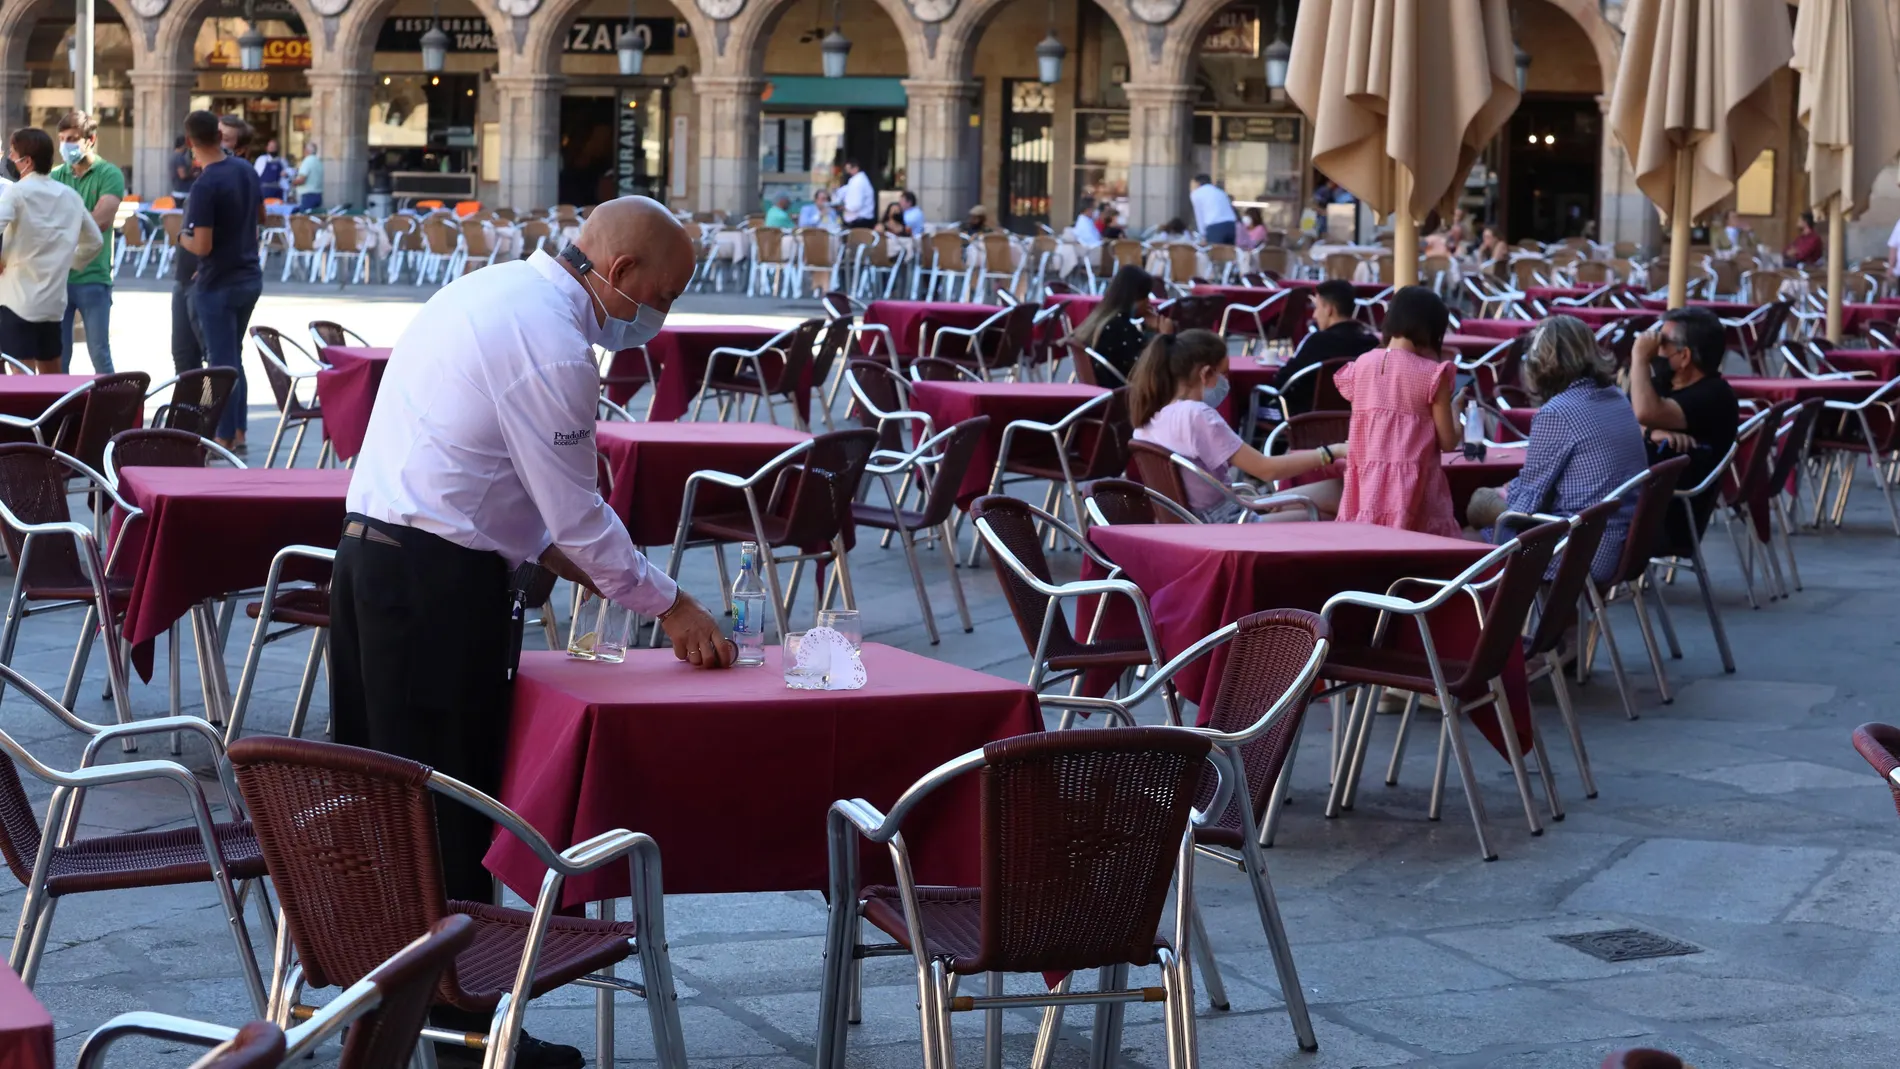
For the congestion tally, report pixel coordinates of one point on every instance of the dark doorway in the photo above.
(588, 126)
(876, 140)
(1028, 155)
(1552, 155)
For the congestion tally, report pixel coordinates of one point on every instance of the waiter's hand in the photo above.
(695, 636)
(556, 561)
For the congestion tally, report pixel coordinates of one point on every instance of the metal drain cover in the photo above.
(1627, 944)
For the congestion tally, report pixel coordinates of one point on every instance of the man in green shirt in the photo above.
(101, 186)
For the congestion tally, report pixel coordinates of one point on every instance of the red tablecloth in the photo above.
(1855, 317)
(1595, 317)
(1498, 467)
(1471, 346)
(1548, 294)
(210, 531)
(1294, 312)
(346, 391)
(1365, 291)
(1199, 578)
(1884, 363)
(1772, 390)
(732, 773)
(950, 403)
(28, 396)
(680, 354)
(1243, 374)
(26, 1029)
(906, 320)
(1520, 418)
(1500, 329)
(650, 462)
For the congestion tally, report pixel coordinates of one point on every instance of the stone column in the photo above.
(160, 100)
(944, 150)
(339, 108)
(727, 142)
(529, 106)
(1624, 213)
(12, 99)
(1160, 153)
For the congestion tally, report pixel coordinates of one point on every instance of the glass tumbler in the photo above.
(601, 630)
(795, 678)
(846, 622)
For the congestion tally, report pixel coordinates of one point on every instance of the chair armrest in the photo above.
(1381, 602)
(741, 482)
(1277, 502)
(155, 1025)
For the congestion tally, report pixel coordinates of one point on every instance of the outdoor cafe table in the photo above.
(29, 396)
(1243, 374)
(210, 531)
(346, 391)
(1498, 467)
(1547, 294)
(950, 403)
(1470, 346)
(1798, 389)
(1200, 577)
(1856, 317)
(680, 353)
(650, 462)
(1499, 329)
(911, 322)
(733, 774)
(1595, 317)
(1293, 312)
(26, 1029)
(1884, 363)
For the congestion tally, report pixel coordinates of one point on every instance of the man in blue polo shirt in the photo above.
(221, 230)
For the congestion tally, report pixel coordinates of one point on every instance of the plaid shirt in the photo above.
(1584, 443)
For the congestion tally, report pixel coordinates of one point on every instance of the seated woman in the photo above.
(893, 221)
(1254, 234)
(1111, 228)
(1172, 401)
(1584, 441)
(1117, 328)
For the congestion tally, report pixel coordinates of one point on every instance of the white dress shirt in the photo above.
(483, 430)
(858, 198)
(45, 235)
(1085, 231)
(1211, 205)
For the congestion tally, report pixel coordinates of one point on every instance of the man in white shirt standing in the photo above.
(857, 201)
(1213, 211)
(1085, 230)
(45, 234)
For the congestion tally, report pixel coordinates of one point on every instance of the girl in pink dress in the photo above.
(1401, 421)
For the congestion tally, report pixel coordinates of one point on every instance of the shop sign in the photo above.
(590, 35)
(1235, 31)
(1281, 128)
(275, 83)
(627, 144)
(278, 52)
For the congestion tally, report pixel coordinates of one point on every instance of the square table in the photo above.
(913, 322)
(1856, 317)
(1497, 329)
(29, 396)
(1498, 467)
(1294, 312)
(346, 392)
(680, 354)
(733, 773)
(650, 462)
(950, 403)
(1884, 363)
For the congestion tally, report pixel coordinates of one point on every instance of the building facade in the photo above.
(940, 96)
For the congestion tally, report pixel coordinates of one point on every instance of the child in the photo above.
(1401, 421)
(1172, 396)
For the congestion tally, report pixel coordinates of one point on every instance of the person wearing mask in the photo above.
(779, 215)
(1174, 399)
(1682, 401)
(101, 186)
(1807, 246)
(308, 181)
(893, 223)
(480, 457)
(1402, 420)
(1117, 327)
(1339, 336)
(1254, 233)
(270, 171)
(857, 200)
(1085, 230)
(184, 170)
(221, 230)
(1111, 225)
(1213, 211)
(818, 213)
(45, 235)
(913, 215)
(977, 221)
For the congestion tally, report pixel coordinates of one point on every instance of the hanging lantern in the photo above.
(1050, 52)
(634, 41)
(1278, 54)
(251, 49)
(435, 45)
(835, 47)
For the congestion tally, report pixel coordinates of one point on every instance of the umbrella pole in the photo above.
(1679, 227)
(1404, 229)
(1836, 238)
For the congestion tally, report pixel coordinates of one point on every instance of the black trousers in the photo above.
(420, 648)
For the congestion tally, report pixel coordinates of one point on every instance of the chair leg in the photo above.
(909, 539)
(1600, 619)
(1649, 637)
(1715, 615)
(1210, 969)
(1107, 1043)
(1282, 792)
(1467, 776)
(82, 652)
(1051, 1028)
(1514, 753)
(1569, 715)
(306, 687)
(1745, 555)
(1787, 538)
(947, 538)
(1398, 744)
(1255, 863)
(993, 1024)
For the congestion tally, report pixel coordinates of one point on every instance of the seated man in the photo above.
(1684, 404)
(1084, 228)
(779, 215)
(1339, 335)
(819, 212)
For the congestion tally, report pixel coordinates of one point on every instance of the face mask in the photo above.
(617, 334)
(1215, 394)
(72, 151)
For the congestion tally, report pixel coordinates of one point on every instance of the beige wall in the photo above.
(875, 50)
(1562, 58)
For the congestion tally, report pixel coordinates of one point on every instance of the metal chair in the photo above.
(1870, 428)
(937, 467)
(273, 351)
(733, 373)
(1879, 744)
(806, 508)
(1681, 546)
(1168, 472)
(81, 422)
(1118, 502)
(880, 399)
(198, 399)
(324, 332)
(1655, 490)
(383, 1014)
(1743, 498)
(1089, 443)
(1459, 684)
(1793, 438)
(767, 246)
(298, 609)
(624, 373)
(1000, 342)
(940, 259)
(1082, 835)
(349, 837)
(52, 862)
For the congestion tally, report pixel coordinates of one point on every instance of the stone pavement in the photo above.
(1737, 820)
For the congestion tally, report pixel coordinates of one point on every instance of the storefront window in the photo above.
(1101, 157)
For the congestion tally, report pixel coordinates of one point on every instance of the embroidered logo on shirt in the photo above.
(573, 437)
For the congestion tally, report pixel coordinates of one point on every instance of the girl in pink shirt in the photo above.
(1402, 421)
(1172, 399)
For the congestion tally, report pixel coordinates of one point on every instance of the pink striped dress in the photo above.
(1393, 474)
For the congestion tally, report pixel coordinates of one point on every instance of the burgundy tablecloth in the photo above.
(346, 391)
(26, 1029)
(733, 774)
(29, 396)
(950, 403)
(1471, 346)
(210, 531)
(1243, 374)
(680, 354)
(1796, 389)
(650, 462)
(1884, 363)
(1498, 467)
(1365, 291)
(1519, 418)
(1596, 317)
(1199, 578)
(1294, 312)
(1500, 329)
(1855, 317)
(1548, 294)
(906, 319)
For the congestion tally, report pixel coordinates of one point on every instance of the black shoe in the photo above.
(530, 1053)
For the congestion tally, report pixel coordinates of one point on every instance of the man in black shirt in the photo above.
(1683, 402)
(221, 230)
(1339, 335)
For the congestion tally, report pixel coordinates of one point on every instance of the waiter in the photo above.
(480, 456)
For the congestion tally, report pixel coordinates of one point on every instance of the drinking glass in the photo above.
(601, 631)
(846, 623)
(795, 678)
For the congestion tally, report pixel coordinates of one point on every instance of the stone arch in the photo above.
(549, 26)
(1604, 39)
(350, 38)
(18, 18)
(170, 36)
(739, 43)
(957, 36)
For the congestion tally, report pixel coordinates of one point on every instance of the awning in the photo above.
(814, 91)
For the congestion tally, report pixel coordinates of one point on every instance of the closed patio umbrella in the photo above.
(1696, 100)
(1403, 95)
(1850, 103)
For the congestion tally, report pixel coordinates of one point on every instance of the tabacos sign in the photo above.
(278, 52)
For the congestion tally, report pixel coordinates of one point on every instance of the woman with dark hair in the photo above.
(1111, 228)
(1173, 401)
(1117, 327)
(893, 221)
(1402, 420)
(1253, 230)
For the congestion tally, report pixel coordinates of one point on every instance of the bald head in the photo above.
(639, 249)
